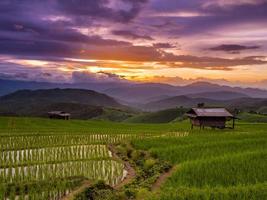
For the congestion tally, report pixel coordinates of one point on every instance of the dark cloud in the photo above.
(101, 9)
(208, 15)
(174, 5)
(99, 77)
(16, 71)
(70, 35)
(210, 63)
(56, 29)
(233, 48)
(62, 42)
(176, 80)
(49, 28)
(131, 35)
(27, 30)
(164, 45)
(78, 9)
(125, 52)
(16, 76)
(37, 48)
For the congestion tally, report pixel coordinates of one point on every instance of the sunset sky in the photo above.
(168, 41)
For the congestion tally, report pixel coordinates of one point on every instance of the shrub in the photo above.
(149, 164)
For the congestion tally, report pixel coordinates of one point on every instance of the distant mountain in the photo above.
(142, 92)
(221, 95)
(157, 98)
(37, 103)
(10, 86)
(202, 87)
(134, 94)
(81, 96)
(245, 104)
(178, 101)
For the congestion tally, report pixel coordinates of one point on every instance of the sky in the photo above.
(168, 41)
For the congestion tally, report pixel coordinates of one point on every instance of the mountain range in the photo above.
(220, 95)
(10, 86)
(244, 103)
(80, 103)
(95, 97)
(142, 93)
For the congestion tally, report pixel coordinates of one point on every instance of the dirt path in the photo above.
(127, 166)
(76, 191)
(163, 177)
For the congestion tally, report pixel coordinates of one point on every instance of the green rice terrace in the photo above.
(76, 159)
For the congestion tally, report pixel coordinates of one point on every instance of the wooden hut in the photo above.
(210, 117)
(59, 115)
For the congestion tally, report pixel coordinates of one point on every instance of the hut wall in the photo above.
(195, 122)
(58, 117)
(213, 121)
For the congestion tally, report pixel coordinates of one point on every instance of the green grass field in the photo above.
(252, 118)
(46, 159)
(20, 126)
(214, 164)
(163, 116)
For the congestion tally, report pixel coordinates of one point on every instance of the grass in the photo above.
(115, 115)
(163, 116)
(255, 192)
(262, 110)
(227, 170)
(230, 164)
(252, 118)
(20, 126)
(35, 150)
(201, 146)
(211, 164)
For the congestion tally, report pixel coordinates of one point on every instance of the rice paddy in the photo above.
(47, 159)
(54, 160)
(214, 164)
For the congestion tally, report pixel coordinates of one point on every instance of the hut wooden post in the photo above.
(233, 123)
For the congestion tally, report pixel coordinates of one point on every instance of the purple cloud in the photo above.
(96, 29)
(131, 35)
(99, 77)
(100, 9)
(233, 48)
(164, 45)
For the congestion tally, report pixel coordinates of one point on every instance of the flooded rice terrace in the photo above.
(49, 167)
